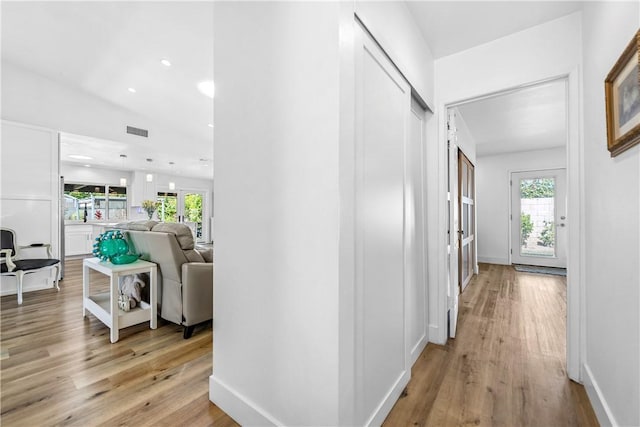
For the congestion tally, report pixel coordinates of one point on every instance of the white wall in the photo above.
(277, 214)
(393, 27)
(612, 228)
(29, 189)
(283, 304)
(546, 51)
(492, 188)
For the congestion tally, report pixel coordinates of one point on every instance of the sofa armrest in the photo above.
(197, 292)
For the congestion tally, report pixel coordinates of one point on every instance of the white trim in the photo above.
(598, 402)
(382, 411)
(576, 334)
(241, 409)
(494, 260)
(417, 349)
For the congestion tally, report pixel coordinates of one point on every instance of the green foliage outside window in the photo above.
(526, 227)
(548, 234)
(537, 188)
(193, 208)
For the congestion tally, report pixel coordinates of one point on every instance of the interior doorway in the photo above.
(561, 105)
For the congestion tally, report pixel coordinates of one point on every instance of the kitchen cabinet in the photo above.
(78, 239)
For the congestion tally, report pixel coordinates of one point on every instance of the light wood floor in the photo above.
(506, 368)
(60, 369)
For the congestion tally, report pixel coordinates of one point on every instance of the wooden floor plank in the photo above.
(505, 368)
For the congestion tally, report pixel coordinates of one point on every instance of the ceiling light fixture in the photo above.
(79, 157)
(172, 185)
(165, 62)
(87, 166)
(210, 125)
(132, 90)
(149, 177)
(123, 181)
(207, 88)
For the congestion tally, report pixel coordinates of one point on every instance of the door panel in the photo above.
(466, 234)
(538, 218)
(382, 113)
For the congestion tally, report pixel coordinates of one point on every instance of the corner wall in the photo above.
(612, 230)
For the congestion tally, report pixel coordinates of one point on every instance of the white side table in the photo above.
(105, 306)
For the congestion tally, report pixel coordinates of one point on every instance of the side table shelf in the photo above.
(105, 305)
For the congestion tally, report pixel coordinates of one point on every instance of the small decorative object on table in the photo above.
(150, 207)
(622, 97)
(111, 246)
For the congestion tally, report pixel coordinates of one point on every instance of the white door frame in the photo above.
(576, 335)
(560, 214)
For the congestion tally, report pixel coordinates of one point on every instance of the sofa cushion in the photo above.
(140, 225)
(206, 253)
(182, 232)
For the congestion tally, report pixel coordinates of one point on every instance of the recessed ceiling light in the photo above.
(210, 125)
(87, 166)
(207, 88)
(165, 62)
(80, 157)
(132, 90)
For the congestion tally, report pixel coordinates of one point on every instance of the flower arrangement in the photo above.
(150, 207)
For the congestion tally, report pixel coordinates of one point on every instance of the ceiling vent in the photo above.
(137, 131)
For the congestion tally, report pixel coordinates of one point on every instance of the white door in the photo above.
(453, 289)
(538, 218)
(383, 101)
(186, 206)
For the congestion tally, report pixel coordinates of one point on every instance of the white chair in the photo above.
(12, 264)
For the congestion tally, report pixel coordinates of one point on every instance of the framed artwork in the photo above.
(622, 97)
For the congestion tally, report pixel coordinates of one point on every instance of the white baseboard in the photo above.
(492, 260)
(598, 402)
(417, 349)
(380, 414)
(241, 409)
(434, 335)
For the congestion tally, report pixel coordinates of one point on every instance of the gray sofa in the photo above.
(185, 272)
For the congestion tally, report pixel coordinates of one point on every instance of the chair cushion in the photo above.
(182, 232)
(30, 264)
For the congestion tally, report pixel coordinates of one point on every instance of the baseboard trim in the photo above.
(380, 414)
(417, 349)
(238, 407)
(434, 335)
(491, 260)
(598, 402)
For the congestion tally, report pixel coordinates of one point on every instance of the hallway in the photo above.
(507, 365)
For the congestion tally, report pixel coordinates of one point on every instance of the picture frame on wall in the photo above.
(622, 98)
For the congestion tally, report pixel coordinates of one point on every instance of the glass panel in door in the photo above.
(537, 213)
(192, 212)
(168, 207)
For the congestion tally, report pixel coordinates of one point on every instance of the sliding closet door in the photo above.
(382, 113)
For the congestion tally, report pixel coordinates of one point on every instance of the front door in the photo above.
(538, 218)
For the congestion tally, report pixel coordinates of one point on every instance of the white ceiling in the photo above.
(531, 118)
(103, 48)
(454, 26)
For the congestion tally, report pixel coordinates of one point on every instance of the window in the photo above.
(95, 202)
(168, 207)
